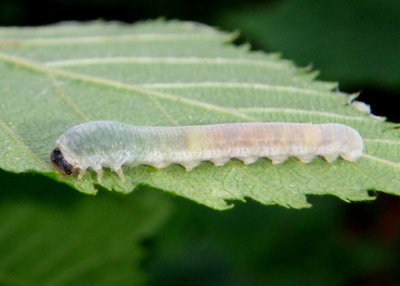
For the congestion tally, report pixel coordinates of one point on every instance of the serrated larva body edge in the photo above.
(98, 144)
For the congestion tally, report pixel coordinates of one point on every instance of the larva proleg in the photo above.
(98, 144)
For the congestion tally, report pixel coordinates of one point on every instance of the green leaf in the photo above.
(169, 73)
(50, 235)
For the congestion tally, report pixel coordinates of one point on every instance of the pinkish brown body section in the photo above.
(276, 141)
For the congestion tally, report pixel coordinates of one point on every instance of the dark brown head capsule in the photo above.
(59, 162)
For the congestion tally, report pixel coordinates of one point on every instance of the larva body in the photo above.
(111, 144)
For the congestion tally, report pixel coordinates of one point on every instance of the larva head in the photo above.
(60, 163)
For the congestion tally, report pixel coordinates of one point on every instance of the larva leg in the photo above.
(248, 160)
(331, 157)
(306, 158)
(120, 174)
(160, 165)
(278, 159)
(81, 173)
(190, 165)
(99, 172)
(220, 161)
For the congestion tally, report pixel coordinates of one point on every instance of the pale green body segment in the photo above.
(110, 144)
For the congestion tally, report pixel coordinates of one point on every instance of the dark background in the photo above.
(356, 43)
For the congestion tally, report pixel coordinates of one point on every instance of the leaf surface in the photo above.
(176, 73)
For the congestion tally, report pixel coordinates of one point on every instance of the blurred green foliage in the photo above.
(254, 245)
(50, 235)
(354, 42)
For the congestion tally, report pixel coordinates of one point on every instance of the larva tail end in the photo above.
(58, 161)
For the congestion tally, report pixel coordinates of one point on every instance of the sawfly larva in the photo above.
(97, 144)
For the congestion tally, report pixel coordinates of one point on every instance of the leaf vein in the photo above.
(385, 141)
(107, 39)
(14, 136)
(66, 99)
(304, 111)
(244, 85)
(165, 60)
(380, 160)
